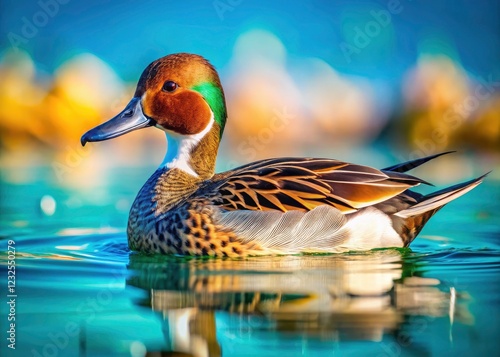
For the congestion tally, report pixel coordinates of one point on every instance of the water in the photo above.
(81, 292)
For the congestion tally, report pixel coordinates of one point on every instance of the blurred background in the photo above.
(373, 81)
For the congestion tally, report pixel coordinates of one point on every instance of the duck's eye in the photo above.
(169, 86)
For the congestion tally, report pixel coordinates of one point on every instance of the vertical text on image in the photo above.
(11, 293)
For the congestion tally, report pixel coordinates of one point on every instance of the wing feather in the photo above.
(302, 184)
(322, 228)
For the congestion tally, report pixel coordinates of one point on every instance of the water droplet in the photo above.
(137, 349)
(48, 205)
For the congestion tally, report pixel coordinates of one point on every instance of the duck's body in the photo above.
(283, 206)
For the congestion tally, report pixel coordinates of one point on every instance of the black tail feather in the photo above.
(409, 165)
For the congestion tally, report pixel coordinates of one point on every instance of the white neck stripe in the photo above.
(179, 148)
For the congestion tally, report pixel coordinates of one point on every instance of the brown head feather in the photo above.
(182, 110)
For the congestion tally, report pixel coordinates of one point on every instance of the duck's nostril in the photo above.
(128, 113)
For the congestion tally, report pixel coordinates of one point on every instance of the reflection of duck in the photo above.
(286, 205)
(344, 297)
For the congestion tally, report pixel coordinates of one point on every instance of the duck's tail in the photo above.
(412, 219)
(434, 201)
(409, 165)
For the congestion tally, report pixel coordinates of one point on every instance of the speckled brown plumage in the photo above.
(165, 218)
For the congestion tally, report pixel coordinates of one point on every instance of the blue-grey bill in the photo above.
(131, 118)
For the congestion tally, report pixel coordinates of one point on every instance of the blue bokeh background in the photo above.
(128, 34)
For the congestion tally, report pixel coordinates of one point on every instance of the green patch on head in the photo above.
(214, 96)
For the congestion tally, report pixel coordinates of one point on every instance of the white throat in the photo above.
(179, 148)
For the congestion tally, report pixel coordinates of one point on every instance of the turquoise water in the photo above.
(79, 291)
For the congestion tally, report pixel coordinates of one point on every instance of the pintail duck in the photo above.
(274, 206)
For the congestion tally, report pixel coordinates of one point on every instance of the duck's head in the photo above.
(180, 94)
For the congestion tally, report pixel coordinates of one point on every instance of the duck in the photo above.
(288, 205)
